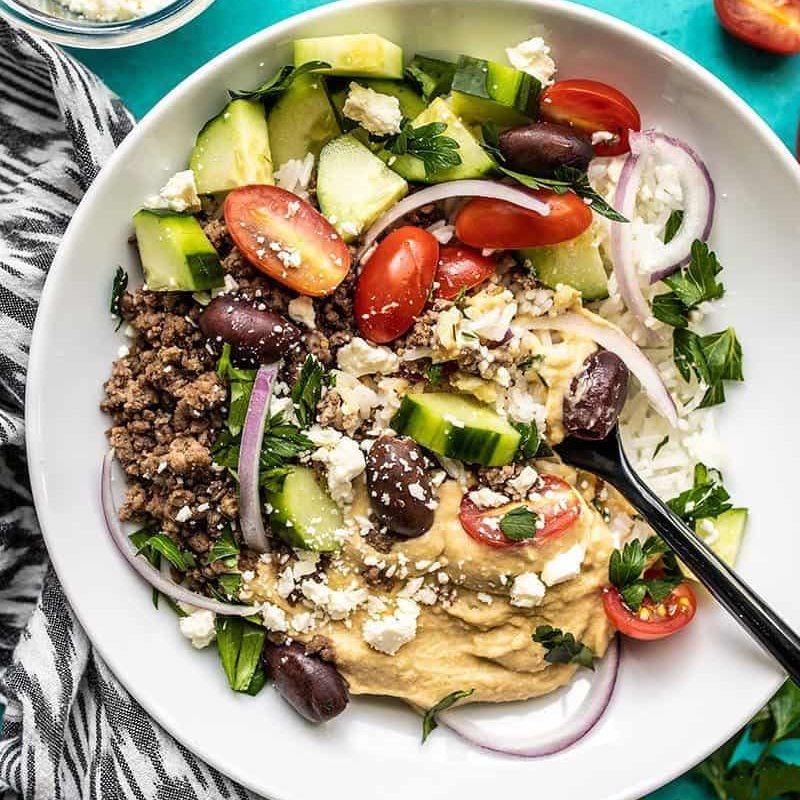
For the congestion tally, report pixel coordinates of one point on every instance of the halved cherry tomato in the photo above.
(461, 267)
(591, 107)
(772, 25)
(555, 503)
(287, 238)
(484, 222)
(651, 621)
(395, 283)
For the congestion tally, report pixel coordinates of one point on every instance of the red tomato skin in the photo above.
(258, 214)
(592, 106)
(630, 624)
(557, 520)
(395, 283)
(485, 222)
(776, 30)
(461, 267)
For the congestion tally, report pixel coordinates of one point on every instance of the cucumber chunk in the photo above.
(474, 160)
(354, 187)
(457, 426)
(485, 90)
(726, 538)
(176, 255)
(364, 55)
(302, 121)
(233, 149)
(576, 262)
(433, 76)
(304, 515)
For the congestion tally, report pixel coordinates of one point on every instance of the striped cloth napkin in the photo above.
(70, 729)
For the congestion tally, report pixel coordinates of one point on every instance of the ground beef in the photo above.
(321, 646)
(422, 332)
(330, 414)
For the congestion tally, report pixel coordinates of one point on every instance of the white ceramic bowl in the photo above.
(677, 699)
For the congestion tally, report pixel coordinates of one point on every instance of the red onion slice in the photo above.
(146, 570)
(250, 515)
(542, 726)
(444, 191)
(612, 338)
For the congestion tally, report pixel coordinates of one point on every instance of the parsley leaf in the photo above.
(519, 524)
(429, 723)
(432, 76)
(427, 143)
(713, 359)
(154, 545)
(670, 310)
(661, 444)
(707, 497)
(626, 566)
(282, 443)
(673, 225)
(118, 288)
(527, 362)
(307, 390)
(434, 374)
(785, 710)
(529, 440)
(230, 582)
(224, 547)
(562, 648)
(278, 83)
(241, 387)
(272, 479)
(239, 644)
(491, 140)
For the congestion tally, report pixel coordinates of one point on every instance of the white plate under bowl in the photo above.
(676, 699)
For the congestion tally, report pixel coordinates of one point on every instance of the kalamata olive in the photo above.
(540, 148)
(313, 687)
(255, 334)
(596, 396)
(400, 492)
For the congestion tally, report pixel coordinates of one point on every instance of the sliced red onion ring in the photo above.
(444, 191)
(612, 338)
(524, 728)
(157, 579)
(250, 515)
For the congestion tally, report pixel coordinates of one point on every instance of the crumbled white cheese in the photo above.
(295, 175)
(199, 627)
(344, 461)
(301, 309)
(179, 194)
(285, 583)
(357, 397)
(305, 565)
(336, 603)
(412, 586)
(533, 56)
(184, 514)
(488, 498)
(564, 566)
(485, 598)
(358, 357)
(489, 314)
(526, 479)
(377, 113)
(600, 137)
(388, 634)
(527, 590)
(113, 10)
(274, 617)
(303, 622)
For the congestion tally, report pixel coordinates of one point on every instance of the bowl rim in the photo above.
(36, 374)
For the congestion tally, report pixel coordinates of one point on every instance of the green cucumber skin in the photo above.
(357, 55)
(433, 76)
(504, 85)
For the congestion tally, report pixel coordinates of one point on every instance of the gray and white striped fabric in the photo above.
(70, 729)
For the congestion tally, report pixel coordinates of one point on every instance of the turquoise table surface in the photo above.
(771, 84)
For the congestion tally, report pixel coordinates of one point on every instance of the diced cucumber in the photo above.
(457, 426)
(411, 104)
(364, 55)
(433, 76)
(485, 90)
(354, 187)
(726, 538)
(302, 121)
(576, 262)
(474, 160)
(176, 255)
(304, 515)
(233, 149)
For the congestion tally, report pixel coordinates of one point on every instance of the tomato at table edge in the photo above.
(759, 31)
(629, 623)
(561, 103)
(331, 261)
(469, 511)
(459, 256)
(386, 264)
(481, 217)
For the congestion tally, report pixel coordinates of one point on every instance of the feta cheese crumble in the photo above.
(358, 357)
(375, 112)
(488, 498)
(344, 461)
(113, 10)
(301, 309)
(527, 590)
(199, 627)
(533, 57)
(564, 566)
(388, 634)
(178, 194)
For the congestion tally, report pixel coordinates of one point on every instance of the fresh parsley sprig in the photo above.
(625, 568)
(118, 288)
(713, 359)
(278, 83)
(673, 225)
(283, 443)
(224, 547)
(429, 723)
(307, 390)
(563, 648)
(707, 497)
(239, 643)
(519, 524)
(427, 143)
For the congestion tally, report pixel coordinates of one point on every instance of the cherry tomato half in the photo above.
(394, 284)
(484, 222)
(651, 621)
(772, 25)
(461, 267)
(591, 107)
(286, 238)
(555, 503)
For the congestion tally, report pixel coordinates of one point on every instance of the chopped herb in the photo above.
(458, 300)
(625, 568)
(519, 524)
(308, 389)
(283, 442)
(224, 547)
(278, 83)
(542, 380)
(713, 359)
(230, 583)
(661, 444)
(673, 225)
(432, 76)
(529, 361)
(239, 643)
(491, 140)
(670, 310)
(241, 387)
(117, 290)
(429, 723)
(154, 545)
(434, 374)
(174, 606)
(562, 648)
(427, 143)
(469, 334)
(707, 497)
(529, 440)
(272, 479)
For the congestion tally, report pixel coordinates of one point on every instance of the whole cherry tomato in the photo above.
(772, 25)
(461, 267)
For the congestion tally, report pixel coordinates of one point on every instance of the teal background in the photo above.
(771, 84)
